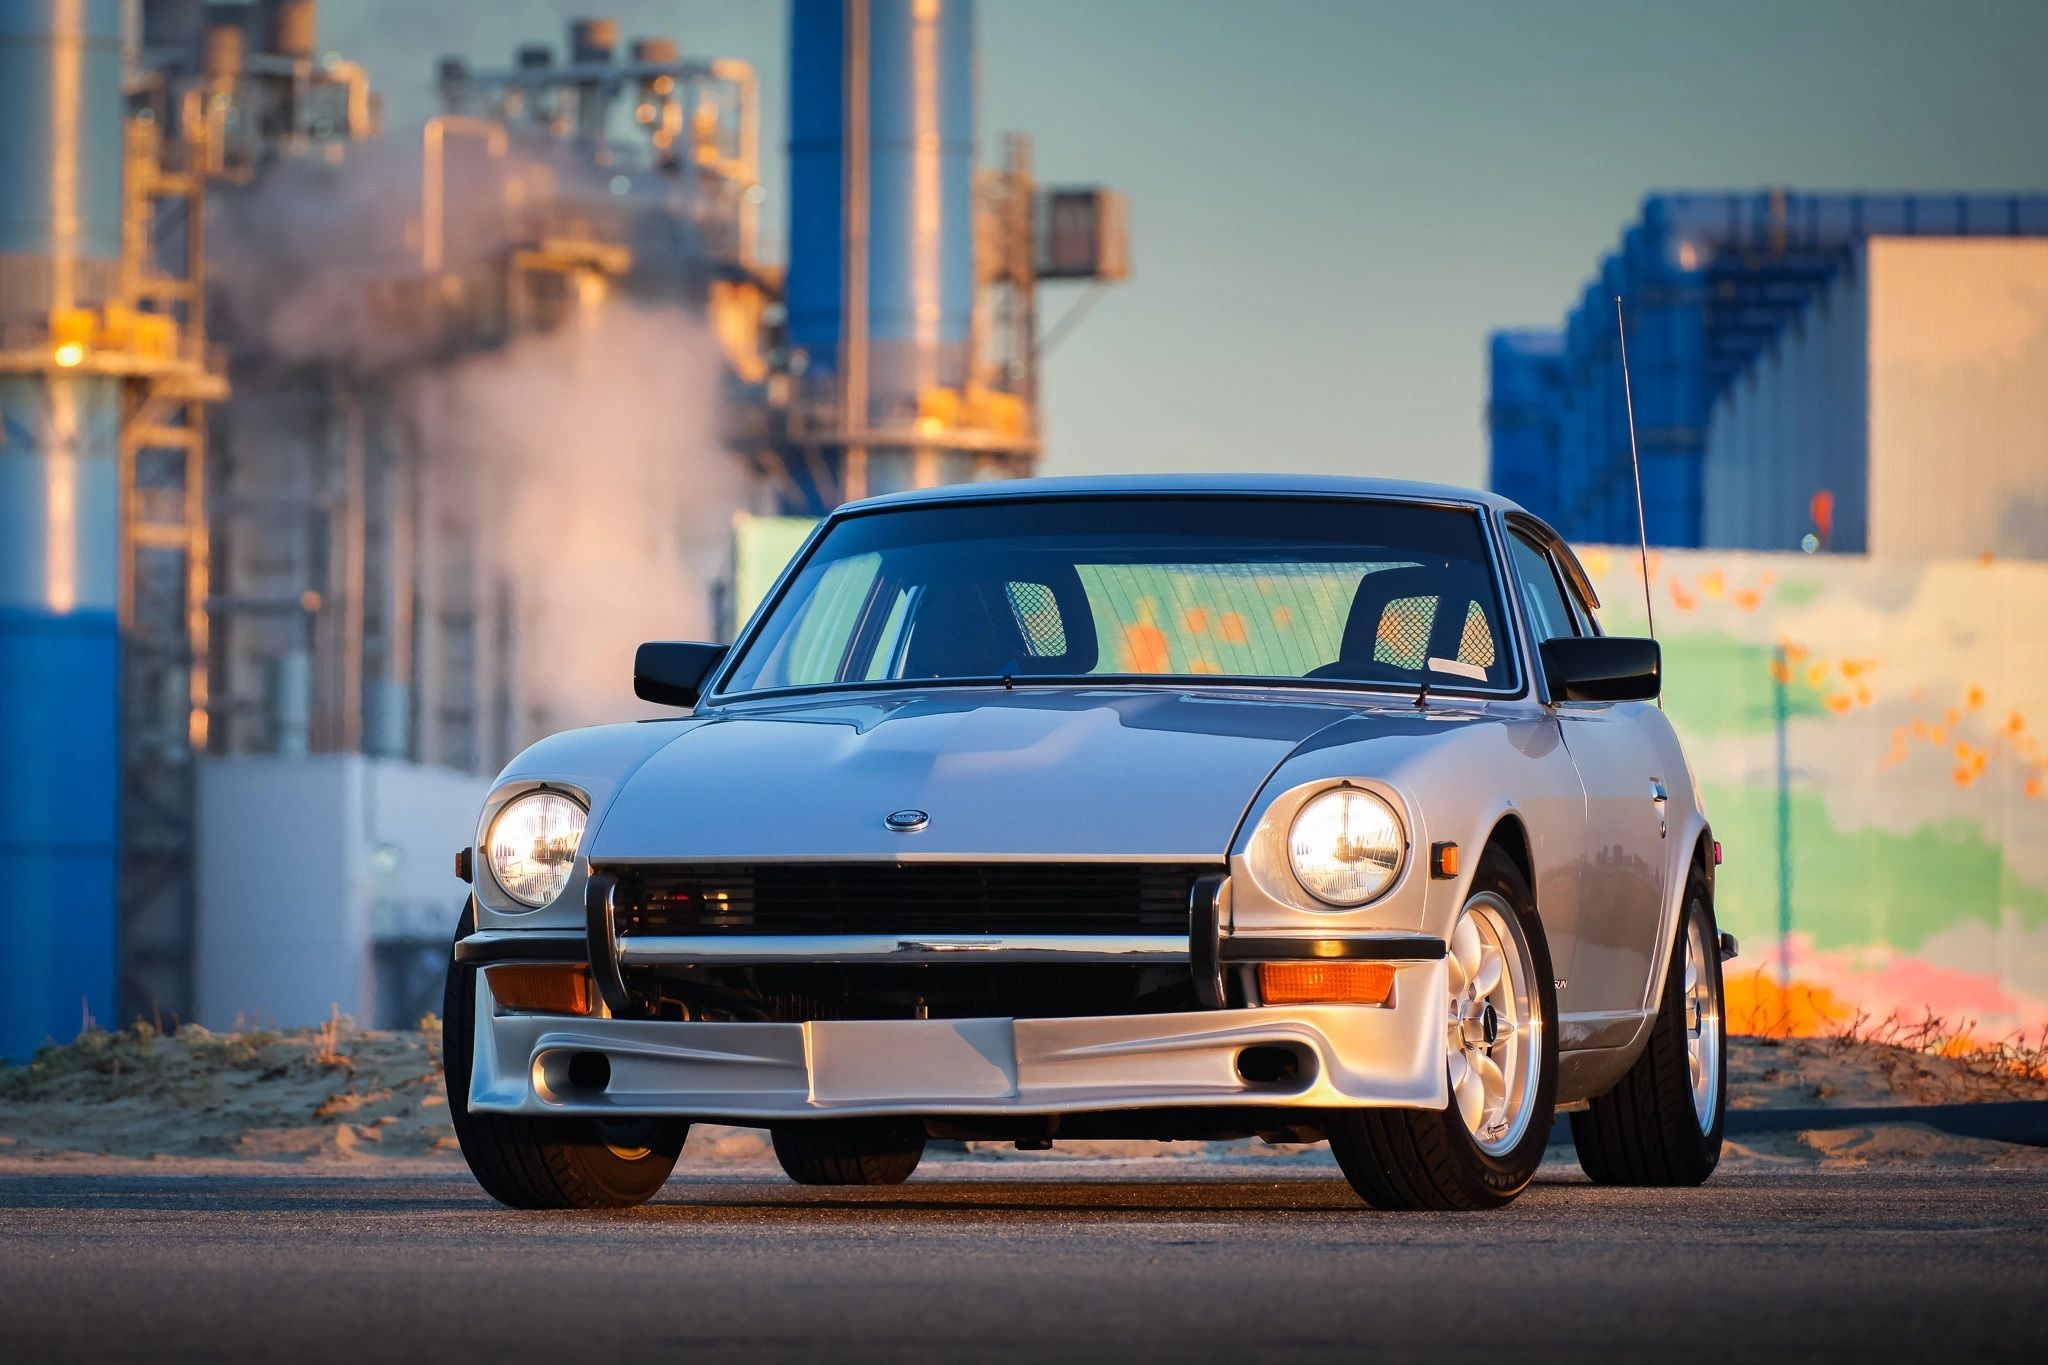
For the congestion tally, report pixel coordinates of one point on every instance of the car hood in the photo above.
(1044, 773)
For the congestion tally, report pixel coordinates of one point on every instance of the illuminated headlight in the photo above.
(532, 845)
(1345, 846)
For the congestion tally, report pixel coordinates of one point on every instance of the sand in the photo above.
(343, 1098)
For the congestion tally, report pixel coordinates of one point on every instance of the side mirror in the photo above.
(1602, 668)
(673, 672)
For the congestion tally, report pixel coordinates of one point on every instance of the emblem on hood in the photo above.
(906, 821)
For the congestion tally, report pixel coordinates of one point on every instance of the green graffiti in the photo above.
(1859, 887)
(1716, 684)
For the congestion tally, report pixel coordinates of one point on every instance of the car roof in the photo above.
(1240, 485)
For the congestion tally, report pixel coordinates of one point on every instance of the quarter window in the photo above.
(1542, 598)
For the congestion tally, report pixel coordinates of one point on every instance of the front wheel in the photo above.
(849, 1151)
(547, 1163)
(1483, 1148)
(1661, 1124)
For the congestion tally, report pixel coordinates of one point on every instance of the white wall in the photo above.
(1916, 390)
(304, 863)
(1959, 397)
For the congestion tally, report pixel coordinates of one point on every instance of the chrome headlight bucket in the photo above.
(1345, 846)
(531, 845)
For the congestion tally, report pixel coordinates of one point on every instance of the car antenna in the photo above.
(1422, 688)
(1635, 462)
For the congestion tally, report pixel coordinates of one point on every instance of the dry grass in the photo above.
(2016, 1058)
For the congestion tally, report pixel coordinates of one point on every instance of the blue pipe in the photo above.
(920, 217)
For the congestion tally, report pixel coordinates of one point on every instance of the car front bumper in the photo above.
(1346, 1055)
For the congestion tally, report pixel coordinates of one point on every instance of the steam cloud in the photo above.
(588, 456)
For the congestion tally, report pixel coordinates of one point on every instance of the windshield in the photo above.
(1201, 589)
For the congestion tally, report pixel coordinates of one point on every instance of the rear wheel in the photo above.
(1481, 1149)
(849, 1151)
(548, 1163)
(1661, 1125)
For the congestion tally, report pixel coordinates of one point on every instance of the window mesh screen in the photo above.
(1038, 619)
(1475, 646)
(1403, 636)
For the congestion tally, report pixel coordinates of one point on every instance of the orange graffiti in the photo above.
(1144, 649)
(1758, 1005)
(1230, 628)
(1195, 621)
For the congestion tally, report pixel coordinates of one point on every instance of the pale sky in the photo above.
(1333, 202)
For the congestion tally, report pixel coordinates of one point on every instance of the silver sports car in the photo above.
(1158, 808)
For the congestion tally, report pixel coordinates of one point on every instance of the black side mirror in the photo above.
(673, 672)
(1602, 668)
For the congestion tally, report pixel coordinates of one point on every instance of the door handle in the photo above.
(1657, 792)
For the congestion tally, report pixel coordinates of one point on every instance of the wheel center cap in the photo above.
(1489, 1023)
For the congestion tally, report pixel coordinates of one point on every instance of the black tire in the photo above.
(1646, 1131)
(1418, 1159)
(547, 1163)
(849, 1151)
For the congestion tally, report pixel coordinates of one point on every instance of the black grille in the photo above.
(917, 898)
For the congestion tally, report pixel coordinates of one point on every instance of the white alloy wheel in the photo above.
(1494, 1032)
(1702, 1023)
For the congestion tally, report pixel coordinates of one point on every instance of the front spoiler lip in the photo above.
(1352, 1056)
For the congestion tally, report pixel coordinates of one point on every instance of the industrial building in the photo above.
(1804, 376)
(318, 436)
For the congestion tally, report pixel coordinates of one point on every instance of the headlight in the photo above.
(532, 845)
(1345, 846)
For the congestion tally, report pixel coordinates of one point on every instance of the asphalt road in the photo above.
(977, 1265)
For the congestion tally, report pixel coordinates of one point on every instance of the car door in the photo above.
(1621, 882)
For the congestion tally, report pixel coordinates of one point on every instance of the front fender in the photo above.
(1457, 775)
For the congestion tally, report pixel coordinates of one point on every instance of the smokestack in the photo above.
(60, 517)
(290, 28)
(593, 40)
(224, 44)
(452, 80)
(655, 52)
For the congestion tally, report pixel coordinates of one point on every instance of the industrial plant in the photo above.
(319, 434)
(1857, 373)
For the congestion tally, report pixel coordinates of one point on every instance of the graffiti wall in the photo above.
(1871, 740)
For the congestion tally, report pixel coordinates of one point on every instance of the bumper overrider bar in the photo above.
(1209, 950)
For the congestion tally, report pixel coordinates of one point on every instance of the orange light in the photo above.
(1326, 983)
(1443, 861)
(70, 354)
(541, 989)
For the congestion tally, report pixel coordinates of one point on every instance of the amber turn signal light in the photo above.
(541, 989)
(1326, 983)
(1443, 861)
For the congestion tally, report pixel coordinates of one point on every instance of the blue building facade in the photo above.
(1707, 281)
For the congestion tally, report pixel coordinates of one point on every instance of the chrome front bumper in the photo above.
(1348, 1055)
